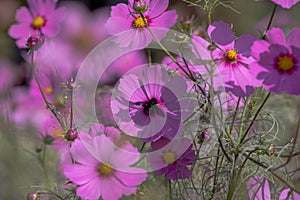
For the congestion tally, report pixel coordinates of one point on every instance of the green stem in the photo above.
(254, 118)
(174, 59)
(49, 106)
(270, 21)
(234, 116)
(169, 184)
(272, 17)
(149, 56)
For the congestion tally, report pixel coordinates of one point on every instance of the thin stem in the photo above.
(271, 18)
(169, 184)
(293, 148)
(234, 116)
(172, 58)
(49, 106)
(270, 21)
(149, 56)
(273, 173)
(254, 118)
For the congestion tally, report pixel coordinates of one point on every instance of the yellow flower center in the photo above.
(285, 63)
(48, 90)
(38, 22)
(169, 157)
(105, 169)
(140, 22)
(231, 55)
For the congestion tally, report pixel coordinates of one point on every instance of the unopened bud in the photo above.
(139, 5)
(186, 24)
(32, 196)
(35, 42)
(71, 135)
(272, 150)
(203, 136)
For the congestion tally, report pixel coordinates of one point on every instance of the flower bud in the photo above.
(35, 42)
(32, 196)
(71, 135)
(202, 137)
(272, 149)
(139, 5)
(187, 24)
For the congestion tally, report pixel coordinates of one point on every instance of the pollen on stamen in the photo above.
(140, 22)
(38, 22)
(105, 169)
(231, 56)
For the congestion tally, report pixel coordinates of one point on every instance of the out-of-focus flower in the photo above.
(283, 19)
(151, 104)
(232, 58)
(258, 189)
(8, 76)
(286, 3)
(171, 159)
(102, 170)
(277, 61)
(83, 29)
(123, 18)
(32, 196)
(102, 105)
(41, 18)
(28, 110)
(122, 65)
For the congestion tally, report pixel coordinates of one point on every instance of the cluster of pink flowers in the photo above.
(149, 105)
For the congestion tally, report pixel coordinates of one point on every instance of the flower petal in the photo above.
(221, 33)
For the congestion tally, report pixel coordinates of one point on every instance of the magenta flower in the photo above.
(151, 104)
(123, 18)
(232, 58)
(41, 18)
(277, 61)
(102, 170)
(286, 3)
(258, 189)
(172, 158)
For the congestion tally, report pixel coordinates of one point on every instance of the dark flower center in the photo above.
(285, 63)
(148, 105)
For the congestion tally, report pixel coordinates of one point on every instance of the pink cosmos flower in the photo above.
(28, 110)
(8, 75)
(124, 18)
(286, 3)
(41, 18)
(103, 170)
(258, 189)
(102, 105)
(122, 65)
(172, 158)
(151, 104)
(81, 28)
(277, 61)
(232, 58)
